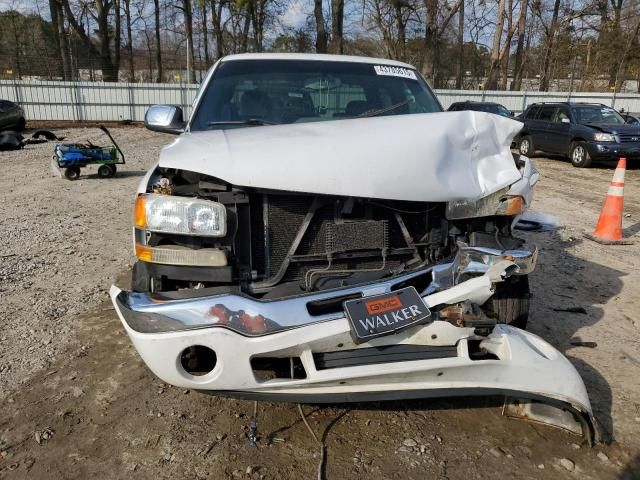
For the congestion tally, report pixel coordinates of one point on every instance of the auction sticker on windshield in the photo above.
(385, 314)
(390, 71)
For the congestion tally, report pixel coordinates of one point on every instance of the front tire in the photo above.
(525, 147)
(579, 155)
(510, 303)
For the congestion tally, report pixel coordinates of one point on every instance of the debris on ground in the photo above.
(578, 342)
(570, 310)
(568, 464)
(43, 435)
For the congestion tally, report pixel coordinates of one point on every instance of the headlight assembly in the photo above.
(604, 137)
(180, 215)
(498, 203)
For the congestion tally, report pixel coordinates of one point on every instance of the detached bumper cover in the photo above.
(431, 360)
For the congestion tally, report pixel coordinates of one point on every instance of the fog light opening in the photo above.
(198, 360)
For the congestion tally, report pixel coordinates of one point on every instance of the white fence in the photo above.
(98, 101)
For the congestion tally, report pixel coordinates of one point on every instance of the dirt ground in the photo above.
(76, 401)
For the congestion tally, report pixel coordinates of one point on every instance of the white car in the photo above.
(321, 231)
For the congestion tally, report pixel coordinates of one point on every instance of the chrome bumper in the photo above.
(150, 313)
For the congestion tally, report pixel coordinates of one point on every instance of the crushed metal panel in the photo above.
(425, 157)
(544, 413)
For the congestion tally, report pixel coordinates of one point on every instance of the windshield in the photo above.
(491, 108)
(597, 115)
(257, 92)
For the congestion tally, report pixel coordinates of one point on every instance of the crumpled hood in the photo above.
(427, 157)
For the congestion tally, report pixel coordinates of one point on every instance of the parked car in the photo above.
(488, 107)
(583, 132)
(11, 116)
(318, 233)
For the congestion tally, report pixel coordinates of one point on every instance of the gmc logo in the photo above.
(383, 305)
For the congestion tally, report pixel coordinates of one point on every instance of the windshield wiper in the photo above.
(374, 113)
(249, 121)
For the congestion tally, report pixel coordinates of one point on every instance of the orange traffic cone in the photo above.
(609, 227)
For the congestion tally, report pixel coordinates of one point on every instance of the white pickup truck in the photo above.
(321, 231)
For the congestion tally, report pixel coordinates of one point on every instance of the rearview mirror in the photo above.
(165, 119)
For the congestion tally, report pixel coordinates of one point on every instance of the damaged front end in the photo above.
(252, 289)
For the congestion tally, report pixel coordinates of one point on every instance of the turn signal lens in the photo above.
(140, 212)
(511, 205)
(144, 253)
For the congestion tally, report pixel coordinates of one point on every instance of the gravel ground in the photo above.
(76, 400)
(63, 244)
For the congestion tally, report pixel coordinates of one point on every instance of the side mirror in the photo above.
(565, 120)
(513, 114)
(165, 119)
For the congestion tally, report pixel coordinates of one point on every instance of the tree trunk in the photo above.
(127, 12)
(546, 62)
(53, 10)
(460, 63)
(244, 47)
(321, 32)
(337, 22)
(188, 23)
(65, 47)
(216, 22)
(205, 35)
(118, 37)
(156, 4)
(401, 43)
(494, 68)
(518, 69)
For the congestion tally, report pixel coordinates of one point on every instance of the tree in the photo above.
(337, 25)
(548, 51)
(109, 61)
(321, 31)
(156, 4)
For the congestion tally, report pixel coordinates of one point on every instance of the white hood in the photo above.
(427, 157)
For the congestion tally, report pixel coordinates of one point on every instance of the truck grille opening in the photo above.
(384, 354)
(329, 242)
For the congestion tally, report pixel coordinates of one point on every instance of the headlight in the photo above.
(604, 137)
(181, 215)
(499, 203)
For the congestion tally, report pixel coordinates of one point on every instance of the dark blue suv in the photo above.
(584, 132)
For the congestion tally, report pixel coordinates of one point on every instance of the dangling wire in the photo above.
(252, 436)
(322, 446)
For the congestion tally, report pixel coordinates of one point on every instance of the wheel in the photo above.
(579, 155)
(114, 169)
(72, 173)
(510, 303)
(106, 171)
(526, 146)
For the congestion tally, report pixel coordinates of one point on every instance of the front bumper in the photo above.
(430, 360)
(613, 151)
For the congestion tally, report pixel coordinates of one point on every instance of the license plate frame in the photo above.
(385, 314)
